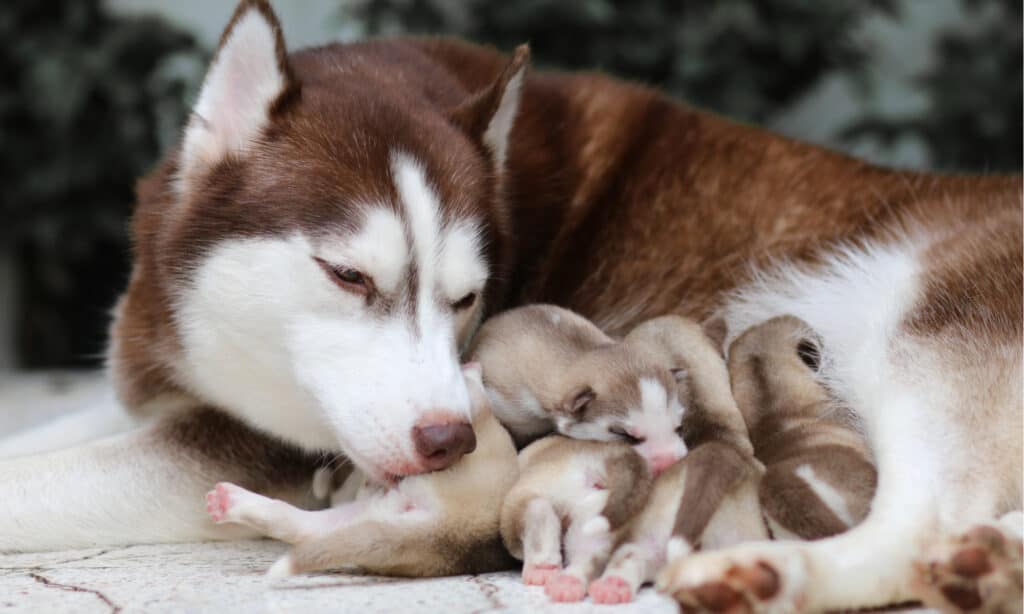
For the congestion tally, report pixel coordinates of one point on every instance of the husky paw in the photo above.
(978, 571)
(538, 575)
(610, 589)
(565, 587)
(770, 578)
(222, 502)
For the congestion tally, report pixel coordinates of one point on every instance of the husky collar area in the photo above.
(317, 252)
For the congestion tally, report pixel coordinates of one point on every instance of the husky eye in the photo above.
(346, 278)
(465, 302)
(623, 434)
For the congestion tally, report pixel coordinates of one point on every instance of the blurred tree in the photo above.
(745, 59)
(88, 103)
(975, 96)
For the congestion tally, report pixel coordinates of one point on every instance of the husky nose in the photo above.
(441, 445)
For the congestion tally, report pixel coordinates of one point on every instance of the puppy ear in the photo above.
(577, 401)
(249, 74)
(488, 115)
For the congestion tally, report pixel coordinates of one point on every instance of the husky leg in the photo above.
(143, 486)
(978, 569)
(100, 419)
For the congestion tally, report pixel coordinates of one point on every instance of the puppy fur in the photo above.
(435, 524)
(820, 476)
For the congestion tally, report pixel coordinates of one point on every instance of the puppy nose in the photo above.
(440, 445)
(661, 462)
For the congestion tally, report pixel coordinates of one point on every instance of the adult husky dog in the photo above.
(336, 222)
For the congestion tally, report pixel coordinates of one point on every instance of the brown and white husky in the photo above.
(335, 222)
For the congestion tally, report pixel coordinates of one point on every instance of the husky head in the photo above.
(326, 240)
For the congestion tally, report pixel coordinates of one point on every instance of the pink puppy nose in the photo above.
(440, 445)
(661, 462)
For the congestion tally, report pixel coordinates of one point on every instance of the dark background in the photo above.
(92, 97)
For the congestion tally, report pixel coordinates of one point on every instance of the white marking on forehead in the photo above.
(462, 267)
(378, 249)
(657, 419)
(423, 215)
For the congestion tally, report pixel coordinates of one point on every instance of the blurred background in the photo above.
(94, 92)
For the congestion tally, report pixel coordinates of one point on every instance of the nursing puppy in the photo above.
(549, 369)
(441, 523)
(819, 473)
(590, 492)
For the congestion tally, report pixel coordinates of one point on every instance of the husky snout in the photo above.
(440, 445)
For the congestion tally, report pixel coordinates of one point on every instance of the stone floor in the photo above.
(224, 577)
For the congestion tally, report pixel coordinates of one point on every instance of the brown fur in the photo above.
(795, 423)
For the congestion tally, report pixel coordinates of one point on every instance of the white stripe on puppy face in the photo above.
(656, 421)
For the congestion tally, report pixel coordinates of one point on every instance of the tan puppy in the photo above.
(820, 476)
(548, 369)
(572, 496)
(432, 524)
(595, 494)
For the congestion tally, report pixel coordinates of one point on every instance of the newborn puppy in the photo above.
(549, 369)
(594, 496)
(574, 497)
(434, 524)
(820, 476)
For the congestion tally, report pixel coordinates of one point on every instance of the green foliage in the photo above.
(87, 106)
(742, 58)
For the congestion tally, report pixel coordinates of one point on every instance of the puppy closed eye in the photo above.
(623, 434)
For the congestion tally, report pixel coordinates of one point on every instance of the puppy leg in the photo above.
(977, 570)
(633, 563)
(145, 486)
(542, 542)
(228, 503)
(587, 545)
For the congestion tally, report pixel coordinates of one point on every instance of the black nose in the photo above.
(441, 445)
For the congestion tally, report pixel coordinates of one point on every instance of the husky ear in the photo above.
(487, 116)
(249, 74)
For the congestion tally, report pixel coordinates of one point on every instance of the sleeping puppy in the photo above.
(549, 369)
(584, 498)
(433, 524)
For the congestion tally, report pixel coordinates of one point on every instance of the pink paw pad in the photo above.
(218, 502)
(538, 575)
(610, 589)
(564, 587)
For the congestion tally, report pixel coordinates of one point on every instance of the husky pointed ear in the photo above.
(248, 77)
(487, 116)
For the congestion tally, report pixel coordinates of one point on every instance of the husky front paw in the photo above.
(565, 587)
(978, 571)
(769, 578)
(610, 589)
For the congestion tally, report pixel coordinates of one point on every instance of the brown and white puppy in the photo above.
(596, 494)
(572, 498)
(441, 523)
(819, 473)
(549, 369)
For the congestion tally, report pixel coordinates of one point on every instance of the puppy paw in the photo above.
(610, 589)
(765, 579)
(538, 575)
(977, 571)
(564, 588)
(219, 501)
